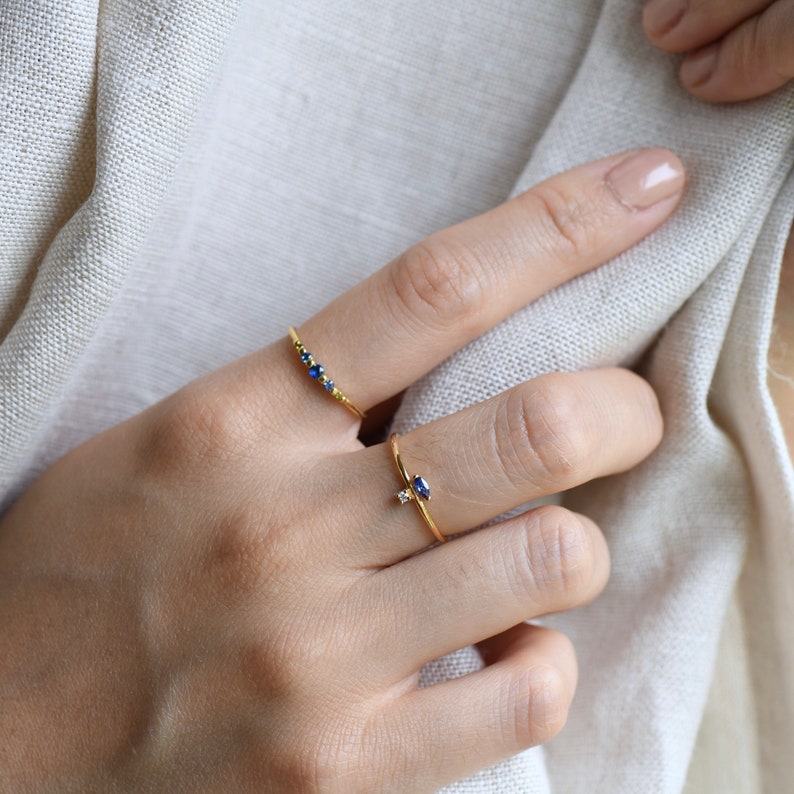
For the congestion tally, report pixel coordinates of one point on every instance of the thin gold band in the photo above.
(410, 491)
(317, 372)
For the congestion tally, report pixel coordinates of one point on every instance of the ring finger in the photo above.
(541, 437)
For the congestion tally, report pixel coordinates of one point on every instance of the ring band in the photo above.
(317, 372)
(416, 490)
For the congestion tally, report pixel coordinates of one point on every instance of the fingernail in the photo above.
(698, 68)
(660, 16)
(646, 177)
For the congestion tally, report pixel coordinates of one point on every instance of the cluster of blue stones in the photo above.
(316, 371)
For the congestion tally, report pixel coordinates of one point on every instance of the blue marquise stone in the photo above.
(316, 371)
(421, 487)
(328, 385)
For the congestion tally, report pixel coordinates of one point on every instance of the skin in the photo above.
(178, 615)
(222, 593)
(735, 49)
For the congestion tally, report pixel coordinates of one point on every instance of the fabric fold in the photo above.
(153, 61)
(678, 524)
(142, 252)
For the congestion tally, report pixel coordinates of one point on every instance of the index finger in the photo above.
(397, 325)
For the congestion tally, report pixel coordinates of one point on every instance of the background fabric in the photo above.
(179, 187)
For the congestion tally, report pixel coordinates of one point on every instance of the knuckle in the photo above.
(538, 702)
(320, 750)
(240, 557)
(566, 224)
(546, 436)
(439, 284)
(324, 753)
(560, 555)
(195, 426)
(283, 664)
(305, 642)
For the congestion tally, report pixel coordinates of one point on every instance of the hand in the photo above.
(223, 593)
(738, 49)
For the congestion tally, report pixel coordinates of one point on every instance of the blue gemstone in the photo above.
(306, 356)
(316, 370)
(421, 487)
(328, 385)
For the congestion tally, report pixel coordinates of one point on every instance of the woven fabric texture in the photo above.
(178, 188)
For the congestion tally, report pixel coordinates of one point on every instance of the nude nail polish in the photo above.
(645, 178)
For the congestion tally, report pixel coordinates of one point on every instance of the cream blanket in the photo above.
(181, 181)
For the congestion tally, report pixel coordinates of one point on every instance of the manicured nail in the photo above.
(698, 68)
(660, 16)
(646, 177)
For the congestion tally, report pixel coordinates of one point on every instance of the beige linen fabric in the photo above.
(169, 203)
(96, 102)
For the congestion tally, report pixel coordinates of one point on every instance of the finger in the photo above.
(397, 325)
(754, 59)
(685, 25)
(493, 649)
(547, 560)
(541, 437)
(450, 730)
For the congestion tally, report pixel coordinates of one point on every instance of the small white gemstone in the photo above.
(404, 496)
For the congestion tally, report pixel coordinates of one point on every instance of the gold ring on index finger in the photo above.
(317, 372)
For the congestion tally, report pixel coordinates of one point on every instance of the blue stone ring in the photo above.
(317, 372)
(416, 490)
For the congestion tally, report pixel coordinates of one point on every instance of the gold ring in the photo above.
(317, 372)
(416, 490)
